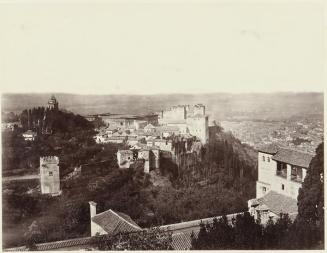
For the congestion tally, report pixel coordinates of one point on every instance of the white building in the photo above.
(198, 126)
(125, 158)
(49, 175)
(281, 170)
(29, 135)
(280, 175)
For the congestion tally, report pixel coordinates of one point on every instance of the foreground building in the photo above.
(110, 222)
(281, 172)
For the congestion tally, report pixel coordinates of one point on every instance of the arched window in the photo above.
(268, 159)
(263, 158)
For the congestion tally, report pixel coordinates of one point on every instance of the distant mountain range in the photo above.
(220, 106)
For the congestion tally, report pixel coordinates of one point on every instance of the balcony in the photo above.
(296, 178)
(281, 173)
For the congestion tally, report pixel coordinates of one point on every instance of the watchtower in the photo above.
(53, 103)
(49, 175)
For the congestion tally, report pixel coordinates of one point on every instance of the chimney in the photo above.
(93, 208)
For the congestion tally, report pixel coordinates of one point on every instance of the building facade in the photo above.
(280, 175)
(281, 170)
(188, 119)
(49, 175)
(198, 126)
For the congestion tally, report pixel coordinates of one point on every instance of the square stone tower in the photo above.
(49, 175)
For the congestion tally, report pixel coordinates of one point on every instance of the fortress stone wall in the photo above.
(199, 127)
(189, 119)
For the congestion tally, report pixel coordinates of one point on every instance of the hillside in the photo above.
(215, 187)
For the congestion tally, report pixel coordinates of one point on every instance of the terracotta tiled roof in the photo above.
(278, 203)
(293, 157)
(115, 222)
(78, 242)
(269, 149)
(182, 241)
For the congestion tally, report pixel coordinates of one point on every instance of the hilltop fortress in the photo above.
(177, 133)
(189, 119)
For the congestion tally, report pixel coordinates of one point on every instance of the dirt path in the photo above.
(20, 178)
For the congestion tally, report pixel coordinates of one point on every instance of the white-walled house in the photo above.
(281, 172)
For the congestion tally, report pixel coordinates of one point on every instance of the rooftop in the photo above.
(293, 157)
(278, 203)
(115, 222)
(270, 149)
(285, 155)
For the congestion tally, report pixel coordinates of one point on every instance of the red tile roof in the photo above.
(293, 157)
(269, 149)
(78, 243)
(278, 203)
(182, 241)
(115, 222)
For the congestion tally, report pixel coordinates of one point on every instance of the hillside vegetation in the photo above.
(220, 184)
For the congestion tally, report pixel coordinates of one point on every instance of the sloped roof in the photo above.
(293, 157)
(77, 243)
(115, 222)
(182, 241)
(278, 203)
(269, 149)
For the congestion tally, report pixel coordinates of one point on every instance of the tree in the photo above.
(33, 235)
(311, 199)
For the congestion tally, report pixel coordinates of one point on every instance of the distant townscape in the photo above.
(107, 179)
(299, 133)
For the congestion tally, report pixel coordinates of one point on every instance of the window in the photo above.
(263, 158)
(268, 159)
(264, 189)
(283, 187)
(50, 173)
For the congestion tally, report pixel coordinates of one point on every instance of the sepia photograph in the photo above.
(162, 125)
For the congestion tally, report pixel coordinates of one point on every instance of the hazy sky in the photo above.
(152, 48)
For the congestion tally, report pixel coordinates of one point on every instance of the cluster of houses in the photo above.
(178, 133)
